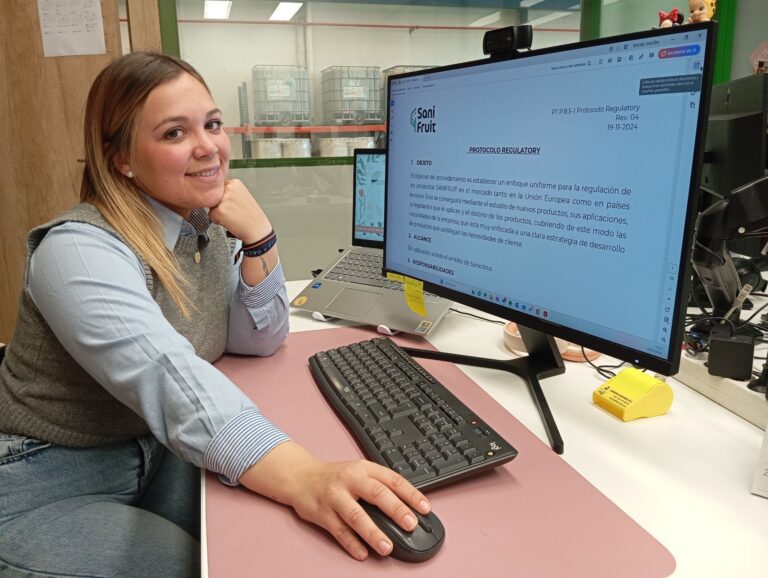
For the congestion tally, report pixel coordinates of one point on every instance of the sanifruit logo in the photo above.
(423, 120)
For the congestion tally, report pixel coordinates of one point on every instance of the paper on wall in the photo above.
(71, 27)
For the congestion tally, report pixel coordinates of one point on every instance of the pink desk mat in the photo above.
(533, 517)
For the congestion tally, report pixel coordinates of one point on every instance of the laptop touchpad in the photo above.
(353, 302)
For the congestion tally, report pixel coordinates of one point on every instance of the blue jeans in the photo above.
(128, 509)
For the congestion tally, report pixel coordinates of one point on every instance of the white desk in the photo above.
(685, 476)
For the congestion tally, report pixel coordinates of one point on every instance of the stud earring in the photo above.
(129, 174)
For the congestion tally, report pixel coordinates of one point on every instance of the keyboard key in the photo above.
(406, 408)
(449, 465)
(420, 475)
(379, 413)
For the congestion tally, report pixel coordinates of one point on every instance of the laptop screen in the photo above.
(368, 199)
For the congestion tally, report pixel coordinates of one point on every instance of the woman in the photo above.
(128, 298)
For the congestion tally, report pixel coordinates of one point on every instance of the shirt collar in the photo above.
(175, 226)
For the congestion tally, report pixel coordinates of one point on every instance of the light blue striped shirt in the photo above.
(194, 410)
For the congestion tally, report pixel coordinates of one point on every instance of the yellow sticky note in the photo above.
(414, 296)
(395, 277)
(633, 394)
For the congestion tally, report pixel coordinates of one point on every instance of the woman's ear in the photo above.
(120, 162)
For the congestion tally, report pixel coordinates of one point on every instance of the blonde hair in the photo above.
(112, 113)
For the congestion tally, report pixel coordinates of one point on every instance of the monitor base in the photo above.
(543, 360)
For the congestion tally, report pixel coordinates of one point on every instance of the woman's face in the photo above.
(181, 151)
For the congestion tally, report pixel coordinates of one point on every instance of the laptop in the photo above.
(352, 286)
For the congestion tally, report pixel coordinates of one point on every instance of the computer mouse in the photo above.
(418, 545)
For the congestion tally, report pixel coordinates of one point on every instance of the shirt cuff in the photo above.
(265, 291)
(246, 438)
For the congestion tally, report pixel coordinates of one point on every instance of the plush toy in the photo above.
(700, 10)
(671, 18)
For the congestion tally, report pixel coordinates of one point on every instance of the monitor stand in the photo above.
(543, 360)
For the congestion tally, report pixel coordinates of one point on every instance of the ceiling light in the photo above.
(285, 11)
(217, 9)
(529, 3)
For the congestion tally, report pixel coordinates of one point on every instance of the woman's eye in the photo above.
(215, 124)
(173, 134)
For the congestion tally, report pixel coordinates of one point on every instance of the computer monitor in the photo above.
(557, 189)
(736, 150)
(368, 203)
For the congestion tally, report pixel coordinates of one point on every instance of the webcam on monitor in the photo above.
(507, 40)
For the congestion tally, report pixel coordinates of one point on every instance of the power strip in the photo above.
(732, 395)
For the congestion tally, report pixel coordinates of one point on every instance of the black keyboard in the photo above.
(403, 417)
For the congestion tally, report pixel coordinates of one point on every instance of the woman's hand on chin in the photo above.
(240, 214)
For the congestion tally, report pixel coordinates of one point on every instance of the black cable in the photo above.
(756, 326)
(697, 342)
(711, 318)
(758, 310)
(720, 258)
(757, 233)
(603, 370)
(711, 192)
(696, 301)
(696, 316)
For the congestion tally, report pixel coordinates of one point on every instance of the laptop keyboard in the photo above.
(364, 268)
(403, 417)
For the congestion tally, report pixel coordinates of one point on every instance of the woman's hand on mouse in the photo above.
(327, 494)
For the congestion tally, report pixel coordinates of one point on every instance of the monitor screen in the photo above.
(558, 188)
(370, 169)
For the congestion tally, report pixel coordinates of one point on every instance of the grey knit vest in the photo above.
(45, 394)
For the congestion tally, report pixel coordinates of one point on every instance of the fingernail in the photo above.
(361, 554)
(423, 506)
(384, 547)
(410, 520)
